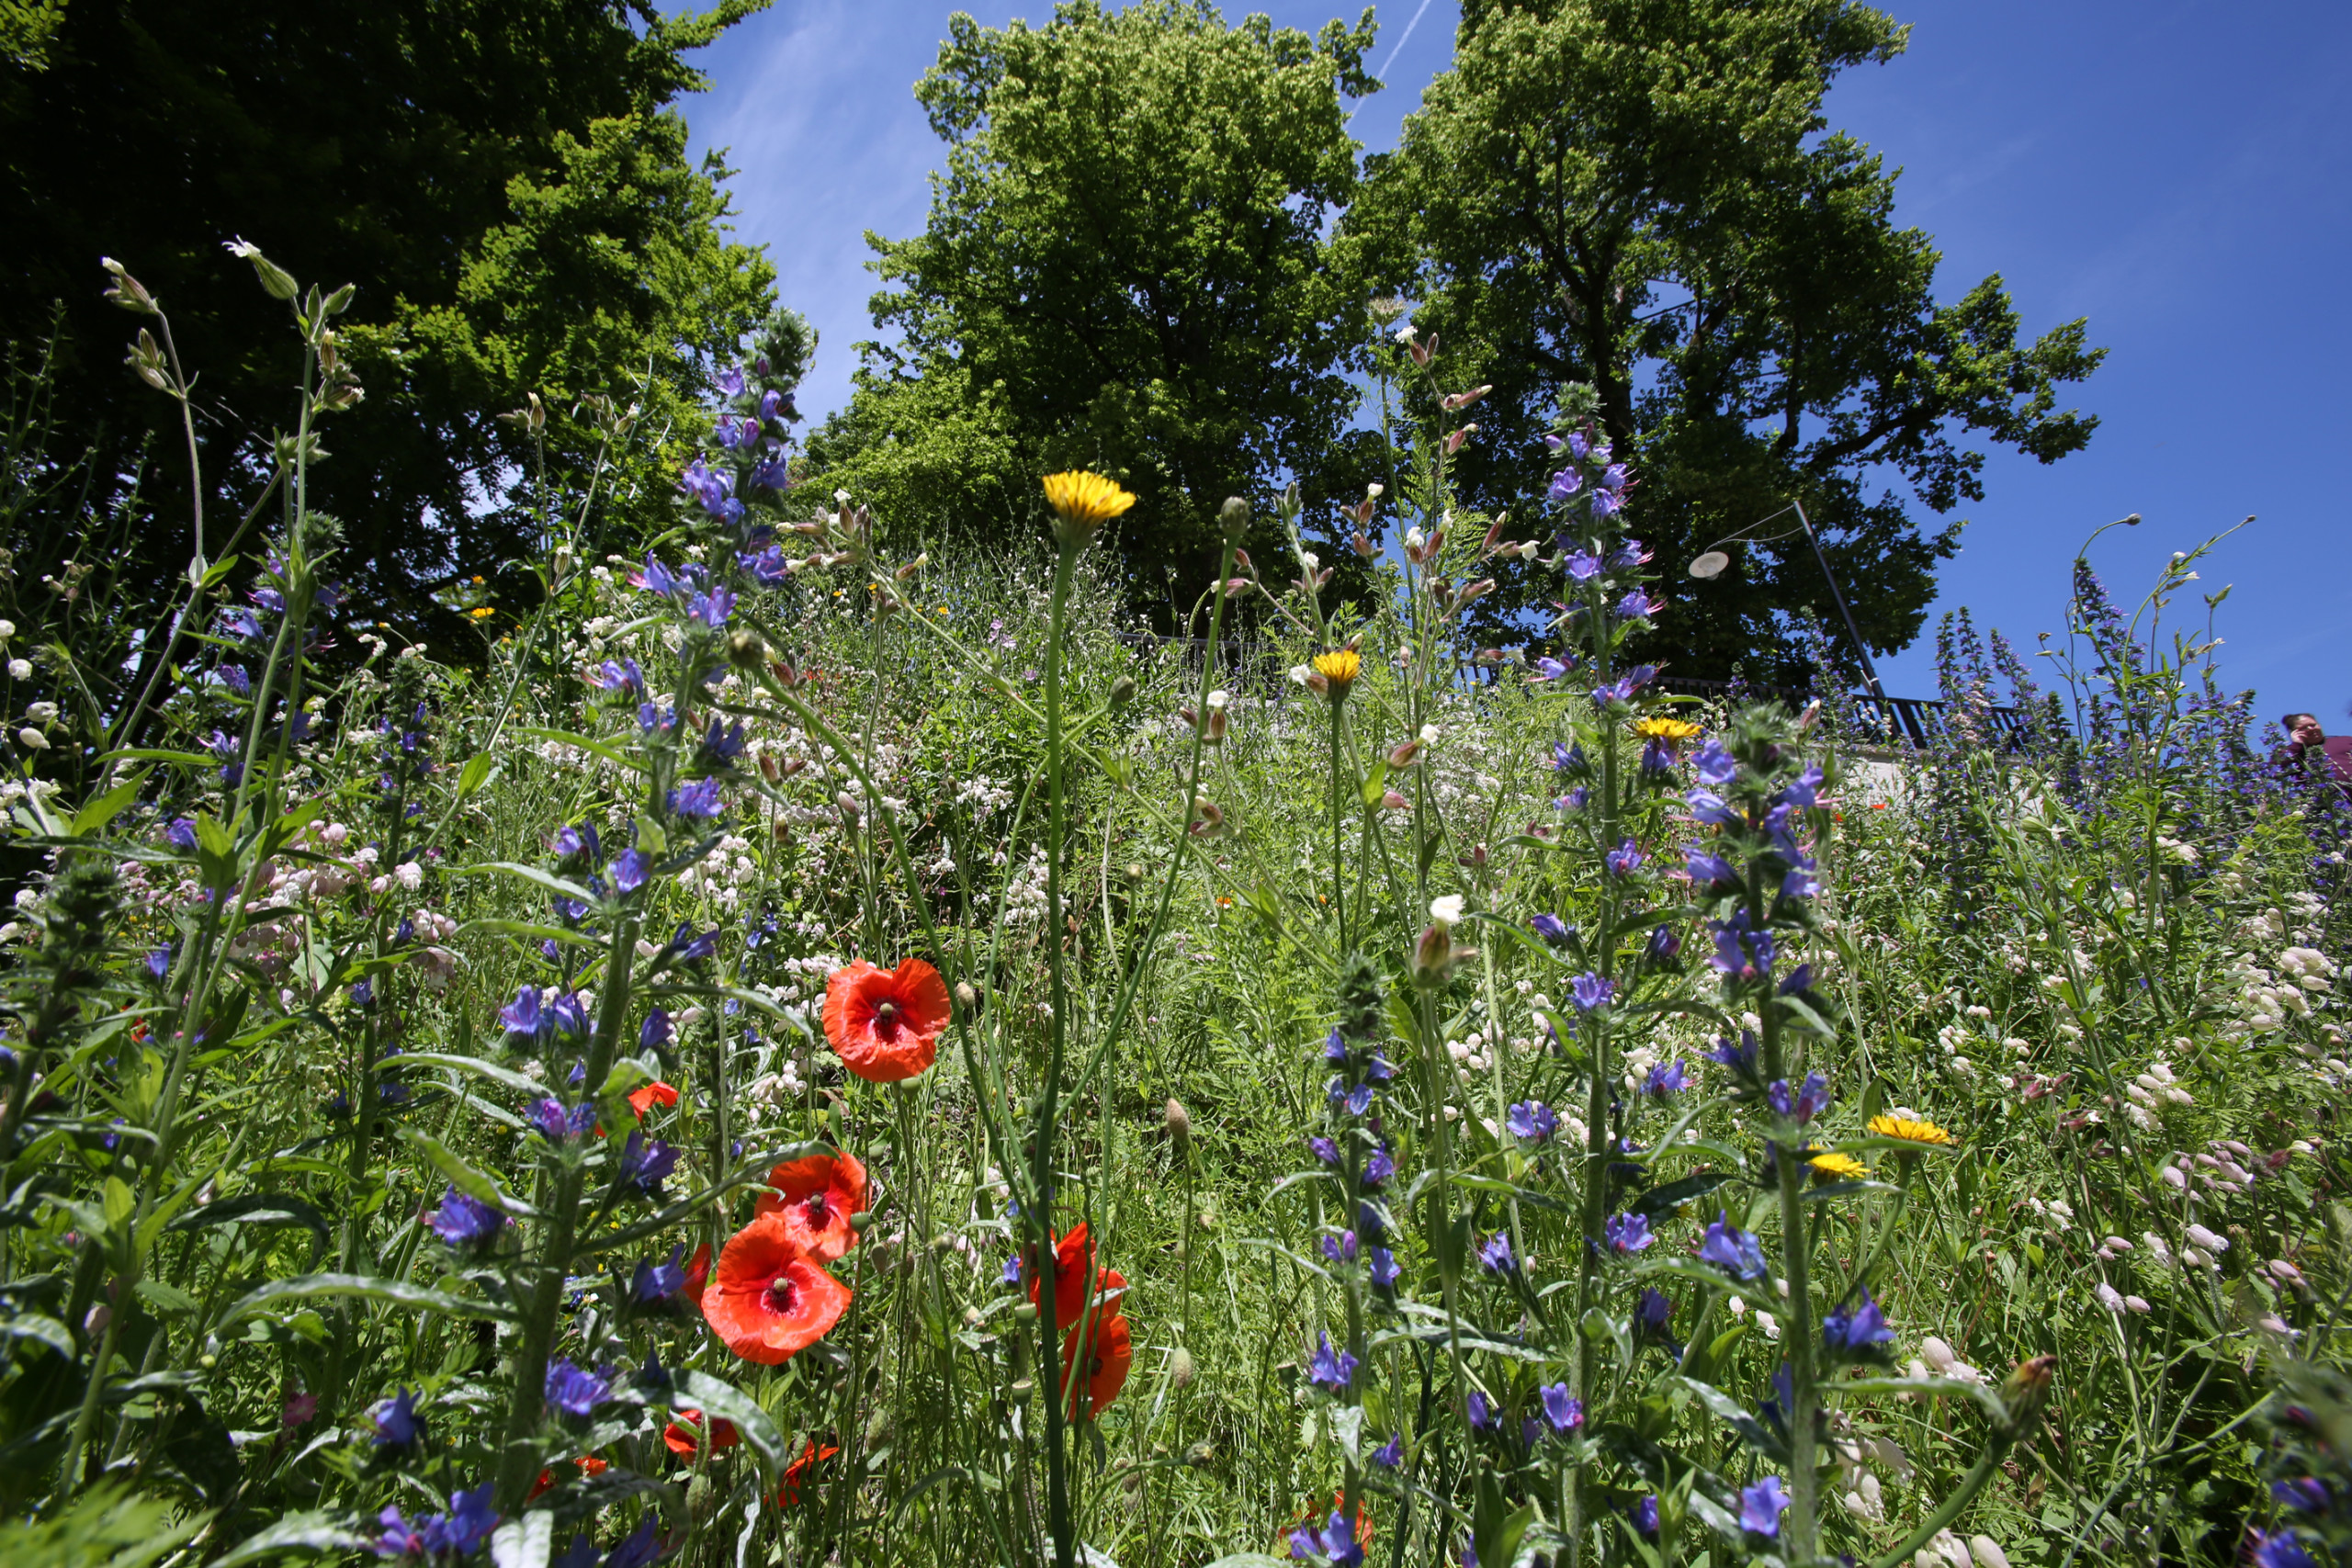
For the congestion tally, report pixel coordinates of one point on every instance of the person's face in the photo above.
(2308, 731)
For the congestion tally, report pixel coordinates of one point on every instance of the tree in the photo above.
(504, 185)
(1126, 266)
(1643, 195)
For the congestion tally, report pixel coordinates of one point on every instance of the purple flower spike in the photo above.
(463, 1222)
(574, 1391)
(1732, 1250)
(1552, 928)
(1857, 1328)
(1533, 1120)
(1590, 991)
(1334, 1370)
(1496, 1257)
(1562, 1410)
(1628, 1233)
(1761, 1506)
(1668, 1078)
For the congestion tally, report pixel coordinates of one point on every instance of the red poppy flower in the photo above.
(643, 1100)
(798, 1471)
(819, 1193)
(589, 1465)
(1110, 1352)
(698, 1273)
(684, 1436)
(1073, 1262)
(770, 1299)
(885, 1023)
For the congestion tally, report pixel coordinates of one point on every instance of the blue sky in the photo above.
(2179, 173)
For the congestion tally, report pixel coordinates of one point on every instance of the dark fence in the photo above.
(1917, 722)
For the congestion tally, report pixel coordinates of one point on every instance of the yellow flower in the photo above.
(482, 614)
(1910, 1130)
(1341, 666)
(1084, 502)
(1837, 1168)
(1659, 728)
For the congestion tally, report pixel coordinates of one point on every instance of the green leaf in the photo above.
(35, 1325)
(476, 771)
(723, 1401)
(214, 839)
(120, 1202)
(1735, 1414)
(464, 1176)
(586, 743)
(474, 1065)
(545, 879)
(265, 1209)
(525, 1543)
(313, 1533)
(103, 810)
(1375, 784)
(1673, 1195)
(279, 1293)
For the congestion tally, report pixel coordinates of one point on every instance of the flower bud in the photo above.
(1433, 955)
(1403, 755)
(1234, 517)
(745, 649)
(912, 567)
(1362, 545)
(1179, 1368)
(966, 997)
(1179, 1125)
(848, 804)
(769, 770)
(1391, 801)
(1421, 349)
(1123, 691)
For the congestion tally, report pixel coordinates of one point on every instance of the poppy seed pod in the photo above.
(1234, 516)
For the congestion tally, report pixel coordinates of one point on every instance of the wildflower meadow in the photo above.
(791, 1050)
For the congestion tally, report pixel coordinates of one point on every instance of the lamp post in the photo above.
(1862, 650)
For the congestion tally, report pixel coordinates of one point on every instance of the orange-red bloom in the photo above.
(820, 1193)
(798, 1471)
(684, 1436)
(770, 1299)
(698, 1273)
(643, 1100)
(885, 1023)
(1109, 1351)
(1073, 1265)
(589, 1465)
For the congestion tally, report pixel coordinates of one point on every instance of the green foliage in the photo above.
(1125, 268)
(1645, 195)
(510, 185)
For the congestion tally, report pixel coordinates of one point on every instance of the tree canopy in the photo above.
(1126, 266)
(1645, 195)
(506, 186)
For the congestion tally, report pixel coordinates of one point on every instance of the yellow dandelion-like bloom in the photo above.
(1084, 502)
(1341, 666)
(482, 614)
(1837, 1168)
(1910, 1130)
(1660, 728)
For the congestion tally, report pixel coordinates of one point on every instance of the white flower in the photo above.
(1428, 735)
(1444, 910)
(1987, 1552)
(1414, 538)
(33, 738)
(1768, 1322)
(1373, 492)
(1737, 1306)
(2138, 1304)
(1299, 672)
(40, 713)
(7, 630)
(1309, 560)
(409, 875)
(20, 669)
(2207, 1239)
(1218, 699)
(2108, 1297)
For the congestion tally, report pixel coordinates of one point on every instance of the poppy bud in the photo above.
(966, 997)
(1179, 1368)
(1433, 955)
(1234, 515)
(1134, 872)
(861, 1220)
(1179, 1125)
(700, 1496)
(1201, 1455)
(1123, 691)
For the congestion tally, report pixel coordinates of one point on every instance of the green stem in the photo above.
(1057, 1500)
